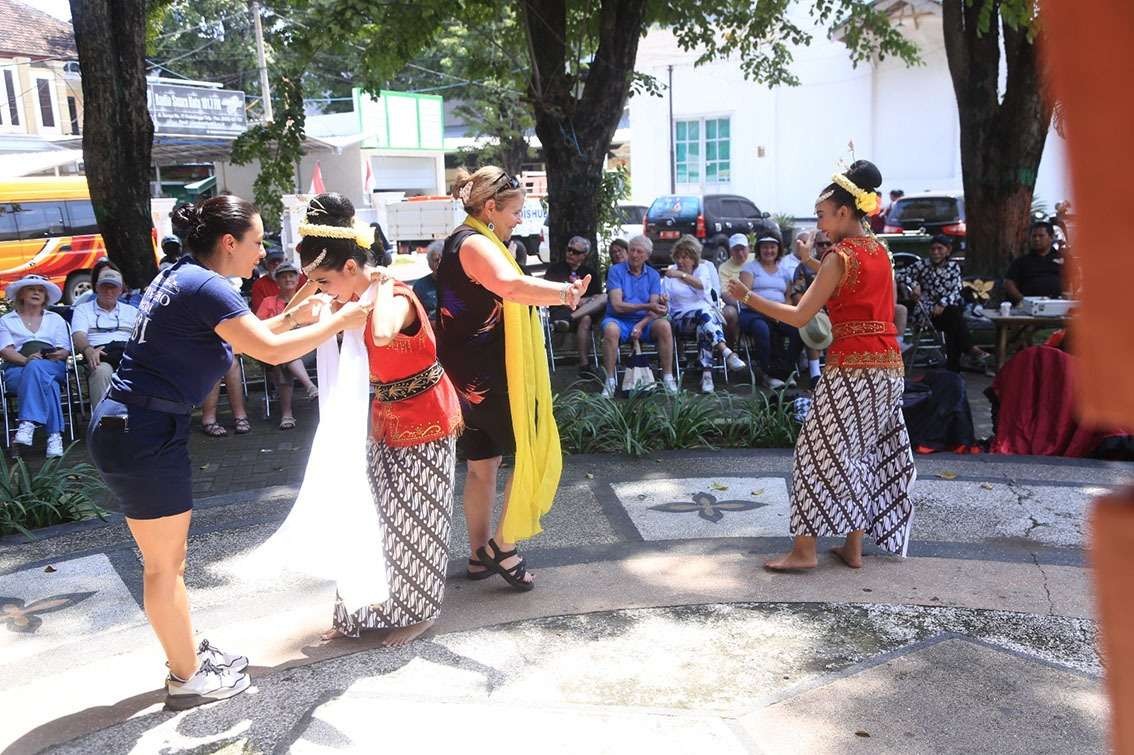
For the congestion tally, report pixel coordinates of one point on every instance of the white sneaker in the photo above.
(735, 363)
(609, 388)
(219, 658)
(669, 384)
(707, 383)
(208, 685)
(775, 383)
(54, 445)
(24, 433)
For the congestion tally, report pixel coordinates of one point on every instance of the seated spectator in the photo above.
(767, 277)
(287, 276)
(34, 347)
(635, 310)
(171, 251)
(934, 285)
(877, 220)
(728, 271)
(425, 289)
(692, 308)
(100, 330)
(574, 267)
(617, 251)
(133, 297)
(812, 246)
(1040, 271)
(519, 252)
(266, 285)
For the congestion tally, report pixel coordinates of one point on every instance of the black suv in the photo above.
(936, 213)
(712, 218)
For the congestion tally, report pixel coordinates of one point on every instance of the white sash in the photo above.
(333, 531)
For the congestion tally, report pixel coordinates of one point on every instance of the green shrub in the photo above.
(652, 420)
(53, 494)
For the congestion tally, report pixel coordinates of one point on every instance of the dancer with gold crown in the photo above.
(414, 422)
(853, 466)
(490, 341)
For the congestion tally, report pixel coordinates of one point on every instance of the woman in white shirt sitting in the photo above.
(769, 278)
(693, 309)
(34, 346)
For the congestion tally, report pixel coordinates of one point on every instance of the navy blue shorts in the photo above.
(144, 461)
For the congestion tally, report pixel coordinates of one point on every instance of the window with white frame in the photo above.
(702, 151)
(11, 105)
(45, 103)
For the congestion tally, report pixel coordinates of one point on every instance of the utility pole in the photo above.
(265, 92)
(672, 153)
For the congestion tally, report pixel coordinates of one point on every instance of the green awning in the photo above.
(200, 187)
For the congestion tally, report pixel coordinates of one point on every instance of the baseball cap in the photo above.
(737, 239)
(943, 240)
(275, 253)
(286, 267)
(111, 277)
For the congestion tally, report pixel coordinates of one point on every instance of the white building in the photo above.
(779, 147)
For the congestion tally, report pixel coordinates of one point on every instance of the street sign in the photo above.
(196, 111)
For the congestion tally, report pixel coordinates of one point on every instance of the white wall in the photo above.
(902, 118)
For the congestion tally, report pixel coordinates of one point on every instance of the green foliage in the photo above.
(54, 494)
(276, 146)
(653, 421)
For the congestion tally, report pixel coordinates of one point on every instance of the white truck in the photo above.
(412, 223)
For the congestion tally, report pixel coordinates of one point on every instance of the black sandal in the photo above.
(514, 576)
(478, 575)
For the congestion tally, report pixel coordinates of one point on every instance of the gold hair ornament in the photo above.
(864, 199)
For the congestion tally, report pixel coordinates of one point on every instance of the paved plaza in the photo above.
(652, 629)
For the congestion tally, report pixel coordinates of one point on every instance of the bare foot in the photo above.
(791, 563)
(403, 636)
(331, 634)
(848, 557)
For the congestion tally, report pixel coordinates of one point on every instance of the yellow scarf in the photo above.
(539, 460)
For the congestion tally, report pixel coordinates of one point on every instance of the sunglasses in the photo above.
(573, 250)
(507, 183)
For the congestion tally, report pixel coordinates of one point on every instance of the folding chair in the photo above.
(926, 345)
(71, 385)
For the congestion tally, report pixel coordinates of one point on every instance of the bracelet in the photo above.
(563, 293)
(289, 317)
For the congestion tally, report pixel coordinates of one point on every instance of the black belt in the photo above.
(400, 390)
(149, 402)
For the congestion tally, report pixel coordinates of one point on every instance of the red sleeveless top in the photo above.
(862, 309)
(434, 413)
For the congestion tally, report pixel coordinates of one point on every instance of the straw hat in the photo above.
(12, 292)
(816, 334)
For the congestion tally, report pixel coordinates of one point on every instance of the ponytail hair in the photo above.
(205, 223)
(489, 182)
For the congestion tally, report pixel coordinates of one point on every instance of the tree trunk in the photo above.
(576, 128)
(1002, 138)
(117, 130)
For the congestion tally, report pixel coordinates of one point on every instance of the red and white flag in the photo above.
(316, 182)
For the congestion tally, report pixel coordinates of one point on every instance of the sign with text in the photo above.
(196, 111)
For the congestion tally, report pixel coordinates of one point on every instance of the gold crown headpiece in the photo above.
(361, 236)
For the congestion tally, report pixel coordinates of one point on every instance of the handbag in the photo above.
(638, 376)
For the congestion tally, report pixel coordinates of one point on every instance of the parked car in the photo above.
(712, 218)
(931, 213)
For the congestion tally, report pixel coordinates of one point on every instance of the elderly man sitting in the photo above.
(574, 267)
(100, 329)
(636, 311)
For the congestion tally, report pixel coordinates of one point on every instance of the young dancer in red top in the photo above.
(853, 465)
(414, 422)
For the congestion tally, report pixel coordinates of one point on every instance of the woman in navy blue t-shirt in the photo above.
(190, 322)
